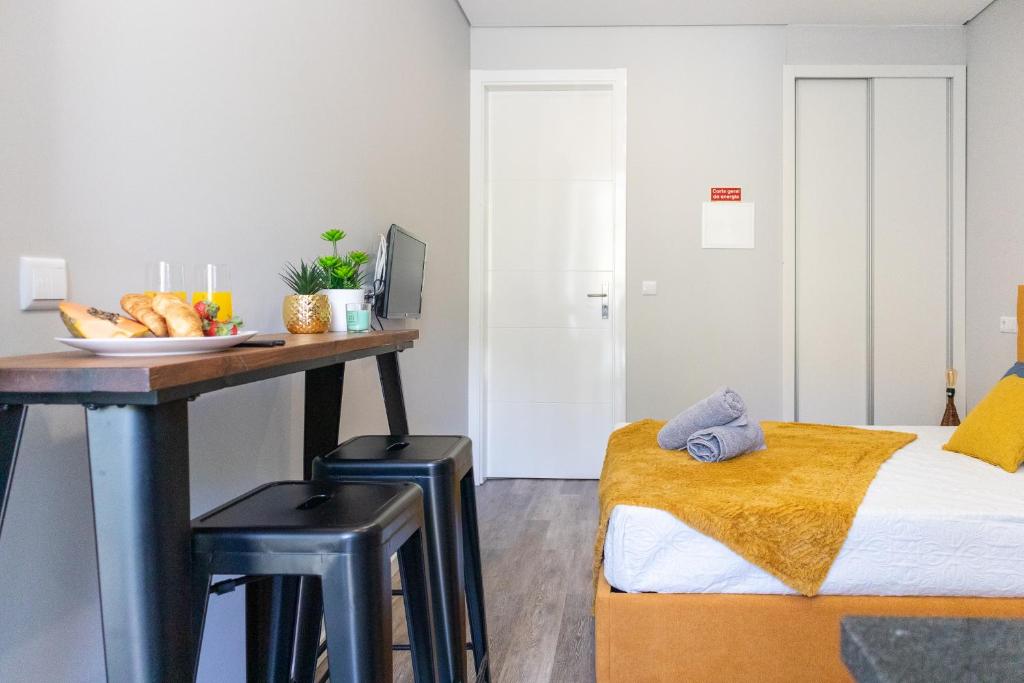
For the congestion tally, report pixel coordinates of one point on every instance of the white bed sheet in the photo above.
(932, 523)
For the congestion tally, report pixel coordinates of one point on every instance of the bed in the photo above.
(937, 534)
(932, 523)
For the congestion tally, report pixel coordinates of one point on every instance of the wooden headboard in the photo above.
(1020, 322)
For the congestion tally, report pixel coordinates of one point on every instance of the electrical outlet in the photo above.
(1008, 325)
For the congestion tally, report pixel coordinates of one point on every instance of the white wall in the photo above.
(875, 45)
(704, 109)
(995, 174)
(232, 131)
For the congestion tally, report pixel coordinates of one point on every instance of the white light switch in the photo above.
(44, 282)
(648, 288)
(1008, 325)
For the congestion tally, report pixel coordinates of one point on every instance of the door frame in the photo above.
(481, 82)
(956, 220)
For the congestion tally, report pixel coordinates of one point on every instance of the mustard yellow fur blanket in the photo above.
(786, 509)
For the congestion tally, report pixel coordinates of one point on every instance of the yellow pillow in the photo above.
(994, 430)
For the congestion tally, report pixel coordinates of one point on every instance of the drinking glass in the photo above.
(357, 317)
(213, 283)
(164, 276)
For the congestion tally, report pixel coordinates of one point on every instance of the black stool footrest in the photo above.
(397, 647)
(229, 585)
(404, 647)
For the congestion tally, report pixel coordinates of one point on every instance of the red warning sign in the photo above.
(726, 194)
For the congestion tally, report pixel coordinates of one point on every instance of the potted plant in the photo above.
(307, 310)
(345, 278)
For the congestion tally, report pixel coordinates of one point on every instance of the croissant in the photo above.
(140, 307)
(182, 319)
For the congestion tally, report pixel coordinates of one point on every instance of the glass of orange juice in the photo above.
(164, 276)
(213, 283)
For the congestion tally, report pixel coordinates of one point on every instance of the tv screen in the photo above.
(402, 290)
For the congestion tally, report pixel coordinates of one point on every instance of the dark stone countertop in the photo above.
(909, 650)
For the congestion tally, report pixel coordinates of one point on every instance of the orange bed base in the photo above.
(707, 638)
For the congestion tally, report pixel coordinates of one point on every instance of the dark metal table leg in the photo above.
(322, 418)
(323, 395)
(283, 614)
(391, 385)
(12, 425)
(138, 458)
(324, 388)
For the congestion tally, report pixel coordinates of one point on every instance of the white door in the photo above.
(873, 238)
(553, 370)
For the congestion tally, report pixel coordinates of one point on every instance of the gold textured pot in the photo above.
(306, 313)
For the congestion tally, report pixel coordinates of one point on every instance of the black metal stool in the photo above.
(345, 534)
(443, 467)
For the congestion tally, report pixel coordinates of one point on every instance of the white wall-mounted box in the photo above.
(727, 225)
(44, 282)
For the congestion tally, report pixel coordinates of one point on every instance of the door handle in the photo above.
(603, 296)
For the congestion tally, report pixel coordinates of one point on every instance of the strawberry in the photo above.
(212, 327)
(207, 310)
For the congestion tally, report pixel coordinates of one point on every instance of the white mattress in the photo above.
(932, 523)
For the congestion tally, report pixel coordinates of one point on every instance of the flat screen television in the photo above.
(400, 288)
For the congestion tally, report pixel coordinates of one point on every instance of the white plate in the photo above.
(156, 346)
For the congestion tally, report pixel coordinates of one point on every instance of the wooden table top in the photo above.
(81, 377)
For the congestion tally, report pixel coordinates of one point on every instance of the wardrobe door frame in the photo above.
(957, 75)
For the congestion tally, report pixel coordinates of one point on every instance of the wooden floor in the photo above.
(537, 539)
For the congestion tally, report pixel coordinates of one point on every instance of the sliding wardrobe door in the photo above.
(876, 275)
(911, 255)
(832, 250)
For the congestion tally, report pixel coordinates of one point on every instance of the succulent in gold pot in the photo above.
(307, 310)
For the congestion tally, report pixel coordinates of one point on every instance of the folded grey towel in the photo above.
(721, 407)
(716, 444)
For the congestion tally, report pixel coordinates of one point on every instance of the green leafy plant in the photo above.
(343, 272)
(307, 278)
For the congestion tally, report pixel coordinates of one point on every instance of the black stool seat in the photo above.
(443, 467)
(345, 534)
(400, 456)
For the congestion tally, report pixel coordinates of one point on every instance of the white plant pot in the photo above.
(339, 298)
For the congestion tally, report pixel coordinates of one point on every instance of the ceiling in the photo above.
(724, 12)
